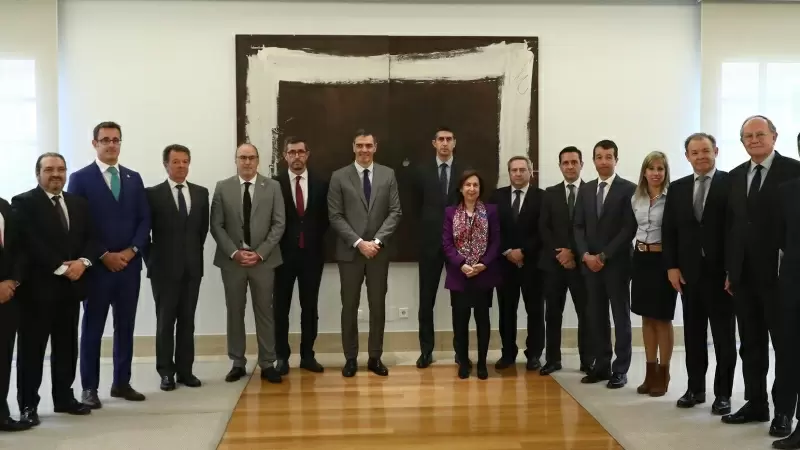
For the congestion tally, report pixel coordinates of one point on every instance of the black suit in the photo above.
(555, 227)
(752, 263)
(790, 285)
(11, 268)
(611, 234)
(520, 232)
(302, 264)
(174, 259)
(432, 202)
(697, 248)
(51, 302)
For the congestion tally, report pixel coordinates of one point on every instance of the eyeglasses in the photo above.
(106, 141)
(749, 136)
(244, 158)
(295, 153)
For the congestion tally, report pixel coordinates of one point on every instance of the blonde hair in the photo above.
(651, 158)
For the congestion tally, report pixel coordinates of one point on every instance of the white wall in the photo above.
(165, 71)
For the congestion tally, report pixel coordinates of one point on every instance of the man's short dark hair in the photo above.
(570, 149)
(445, 129)
(606, 144)
(697, 137)
(362, 132)
(294, 140)
(101, 125)
(236, 152)
(48, 155)
(175, 148)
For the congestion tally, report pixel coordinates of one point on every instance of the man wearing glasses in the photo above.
(121, 220)
(247, 222)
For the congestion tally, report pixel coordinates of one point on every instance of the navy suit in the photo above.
(119, 224)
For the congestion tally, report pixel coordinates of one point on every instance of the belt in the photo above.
(642, 247)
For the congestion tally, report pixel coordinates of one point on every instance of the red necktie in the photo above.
(301, 209)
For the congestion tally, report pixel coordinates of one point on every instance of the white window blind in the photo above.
(18, 125)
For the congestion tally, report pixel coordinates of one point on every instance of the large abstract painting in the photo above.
(402, 89)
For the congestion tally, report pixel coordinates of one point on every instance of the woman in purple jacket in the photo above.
(471, 242)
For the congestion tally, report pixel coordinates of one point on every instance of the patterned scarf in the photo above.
(471, 234)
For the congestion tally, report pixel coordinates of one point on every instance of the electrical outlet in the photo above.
(402, 313)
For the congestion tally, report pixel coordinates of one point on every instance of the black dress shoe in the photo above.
(167, 383)
(504, 363)
(790, 443)
(617, 381)
(282, 366)
(747, 414)
(350, 368)
(469, 362)
(721, 406)
(89, 398)
(595, 377)
(424, 360)
(463, 371)
(189, 380)
(74, 408)
(550, 368)
(9, 424)
(127, 392)
(236, 374)
(311, 365)
(781, 426)
(270, 374)
(690, 399)
(483, 372)
(586, 368)
(376, 366)
(30, 415)
(533, 364)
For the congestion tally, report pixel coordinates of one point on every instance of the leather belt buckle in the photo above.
(641, 246)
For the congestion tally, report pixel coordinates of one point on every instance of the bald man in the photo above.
(247, 222)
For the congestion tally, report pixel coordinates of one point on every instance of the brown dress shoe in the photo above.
(649, 378)
(662, 382)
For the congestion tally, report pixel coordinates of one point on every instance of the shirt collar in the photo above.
(576, 183)
(293, 176)
(104, 167)
(252, 180)
(710, 174)
(523, 189)
(449, 162)
(766, 163)
(608, 181)
(361, 169)
(50, 195)
(173, 183)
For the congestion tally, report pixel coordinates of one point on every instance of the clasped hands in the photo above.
(117, 261)
(7, 290)
(369, 249)
(566, 258)
(75, 269)
(593, 262)
(474, 270)
(246, 258)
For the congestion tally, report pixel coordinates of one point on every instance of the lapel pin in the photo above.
(127, 176)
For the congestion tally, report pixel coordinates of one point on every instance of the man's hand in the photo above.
(564, 256)
(728, 286)
(115, 262)
(128, 254)
(246, 258)
(676, 279)
(593, 262)
(515, 256)
(570, 265)
(7, 289)
(368, 249)
(75, 270)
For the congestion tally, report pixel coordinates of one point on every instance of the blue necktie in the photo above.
(600, 198)
(367, 185)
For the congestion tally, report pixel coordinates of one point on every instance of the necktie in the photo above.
(571, 199)
(247, 208)
(600, 197)
(515, 205)
(115, 186)
(301, 207)
(367, 186)
(755, 188)
(182, 201)
(60, 211)
(699, 198)
(443, 179)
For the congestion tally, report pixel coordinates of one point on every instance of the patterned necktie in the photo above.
(367, 186)
(443, 179)
(115, 185)
(516, 204)
(571, 200)
(182, 201)
(699, 197)
(301, 207)
(600, 198)
(60, 211)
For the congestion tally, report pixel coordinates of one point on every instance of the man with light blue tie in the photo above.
(121, 218)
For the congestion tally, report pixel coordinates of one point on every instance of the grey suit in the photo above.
(267, 223)
(354, 218)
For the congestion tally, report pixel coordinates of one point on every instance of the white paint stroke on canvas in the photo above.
(511, 62)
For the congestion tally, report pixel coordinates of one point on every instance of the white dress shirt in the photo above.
(106, 174)
(710, 176)
(577, 184)
(608, 186)
(252, 192)
(63, 268)
(649, 217)
(448, 169)
(521, 196)
(2, 229)
(766, 164)
(360, 170)
(186, 195)
(303, 186)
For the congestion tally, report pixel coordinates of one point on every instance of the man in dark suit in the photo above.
(558, 260)
(364, 210)
(604, 228)
(752, 255)
(305, 198)
(693, 238)
(435, 187)
(121, 220)
(11, 270)
(518, 206)
(59, 242)
(174, 259)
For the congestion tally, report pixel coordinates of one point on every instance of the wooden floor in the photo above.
(411, 409)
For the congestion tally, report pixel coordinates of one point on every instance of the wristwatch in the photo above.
(135, 249)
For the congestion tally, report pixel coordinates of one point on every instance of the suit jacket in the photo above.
(177, 242)
(267, 221)
(48, 244)
(684, 239)
(117, 224)
(314, 222)
(613, 232)
(350, 215)
(490, 278)
(524, 232)
(432, 203)
(555, 226)
(11, 259)
(790, 239)
(760, 233)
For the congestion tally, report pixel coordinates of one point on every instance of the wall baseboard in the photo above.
(396, 341)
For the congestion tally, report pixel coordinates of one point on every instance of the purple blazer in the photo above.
(489, 278)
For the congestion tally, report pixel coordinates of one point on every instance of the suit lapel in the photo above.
(358, 184)
(260, 188)
(774, 173)
(377, 175)
(101, 180)
(591, 189)
(44, 199)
